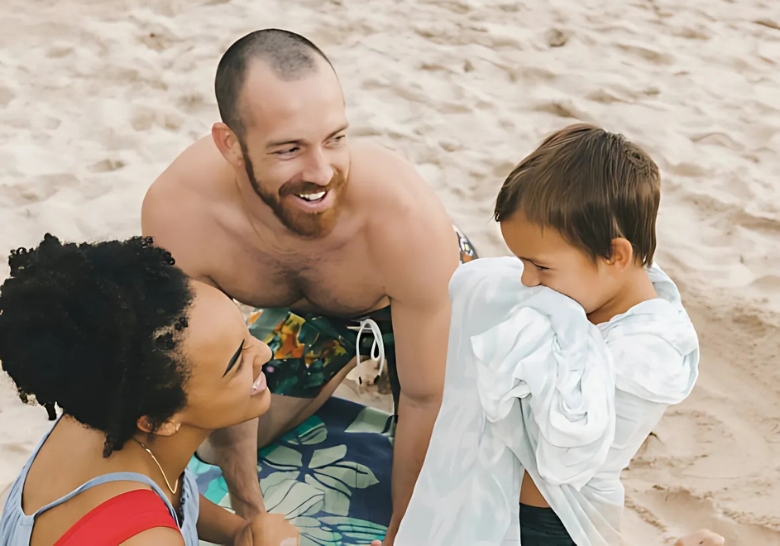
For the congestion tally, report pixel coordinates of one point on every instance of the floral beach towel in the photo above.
(330, 476)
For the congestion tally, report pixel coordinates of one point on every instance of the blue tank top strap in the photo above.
(108, 478)
(35, 451)
(16, 526)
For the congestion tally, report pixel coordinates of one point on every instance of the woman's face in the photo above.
(226, 385)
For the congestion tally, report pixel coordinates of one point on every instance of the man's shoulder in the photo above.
(179, 208)
(381, 173)
(390, 185)
(406, 221)
(193, 175)
(366, 152)
(170, 204)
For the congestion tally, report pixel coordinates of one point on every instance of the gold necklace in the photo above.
(149, 451)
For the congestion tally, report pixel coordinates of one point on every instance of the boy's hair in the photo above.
(590, 185)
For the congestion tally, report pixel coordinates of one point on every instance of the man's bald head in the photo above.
(290, 57)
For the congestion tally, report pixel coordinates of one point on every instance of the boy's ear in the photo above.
(622, 253)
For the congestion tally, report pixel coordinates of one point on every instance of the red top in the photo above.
(119, 519)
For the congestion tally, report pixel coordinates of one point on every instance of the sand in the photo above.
(96, 98)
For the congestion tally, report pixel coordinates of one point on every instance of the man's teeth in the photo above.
(312, 196)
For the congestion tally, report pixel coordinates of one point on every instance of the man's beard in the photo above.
(310, 225)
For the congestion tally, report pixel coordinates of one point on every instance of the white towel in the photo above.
(532, 385)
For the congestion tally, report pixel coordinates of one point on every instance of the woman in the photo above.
(144, 364)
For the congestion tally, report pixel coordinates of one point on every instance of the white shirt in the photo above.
(532, 385)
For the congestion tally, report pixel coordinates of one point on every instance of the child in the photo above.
(560, 363)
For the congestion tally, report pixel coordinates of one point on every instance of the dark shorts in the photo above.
(542, 527)
(308, 350)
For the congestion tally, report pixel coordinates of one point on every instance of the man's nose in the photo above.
(318, 169)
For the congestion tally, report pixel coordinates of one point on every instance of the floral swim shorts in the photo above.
(308, 350)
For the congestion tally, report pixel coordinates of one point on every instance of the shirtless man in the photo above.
(279, 210)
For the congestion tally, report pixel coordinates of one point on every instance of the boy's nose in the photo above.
(530, 277)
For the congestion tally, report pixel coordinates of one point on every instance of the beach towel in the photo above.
(330, 476)
(531, 385)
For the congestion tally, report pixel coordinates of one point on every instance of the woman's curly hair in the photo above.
(97, 330)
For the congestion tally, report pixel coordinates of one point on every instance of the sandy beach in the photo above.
(96, 98)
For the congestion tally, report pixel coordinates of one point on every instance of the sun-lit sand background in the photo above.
(96, 98)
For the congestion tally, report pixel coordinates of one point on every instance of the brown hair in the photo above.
(290, 56)
(590, 185)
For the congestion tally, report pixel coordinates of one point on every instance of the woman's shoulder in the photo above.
(67, 491)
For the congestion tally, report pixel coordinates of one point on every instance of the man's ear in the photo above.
(622, 253)
(228, 144)
(168, 428)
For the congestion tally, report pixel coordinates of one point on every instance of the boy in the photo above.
(580, 213)
(561, 389)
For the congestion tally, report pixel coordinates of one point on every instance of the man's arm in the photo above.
(421, 351)
(419, 254)
(233, 449)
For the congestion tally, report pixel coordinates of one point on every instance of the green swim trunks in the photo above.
(308, 350)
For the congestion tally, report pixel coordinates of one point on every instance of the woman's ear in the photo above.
(622, 254)
(168, 428)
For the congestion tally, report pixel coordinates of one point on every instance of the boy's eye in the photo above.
(542, 268)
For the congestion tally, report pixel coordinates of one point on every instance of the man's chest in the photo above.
(339, 283)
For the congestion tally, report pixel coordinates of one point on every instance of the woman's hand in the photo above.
(267, 530)
(703, 537)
